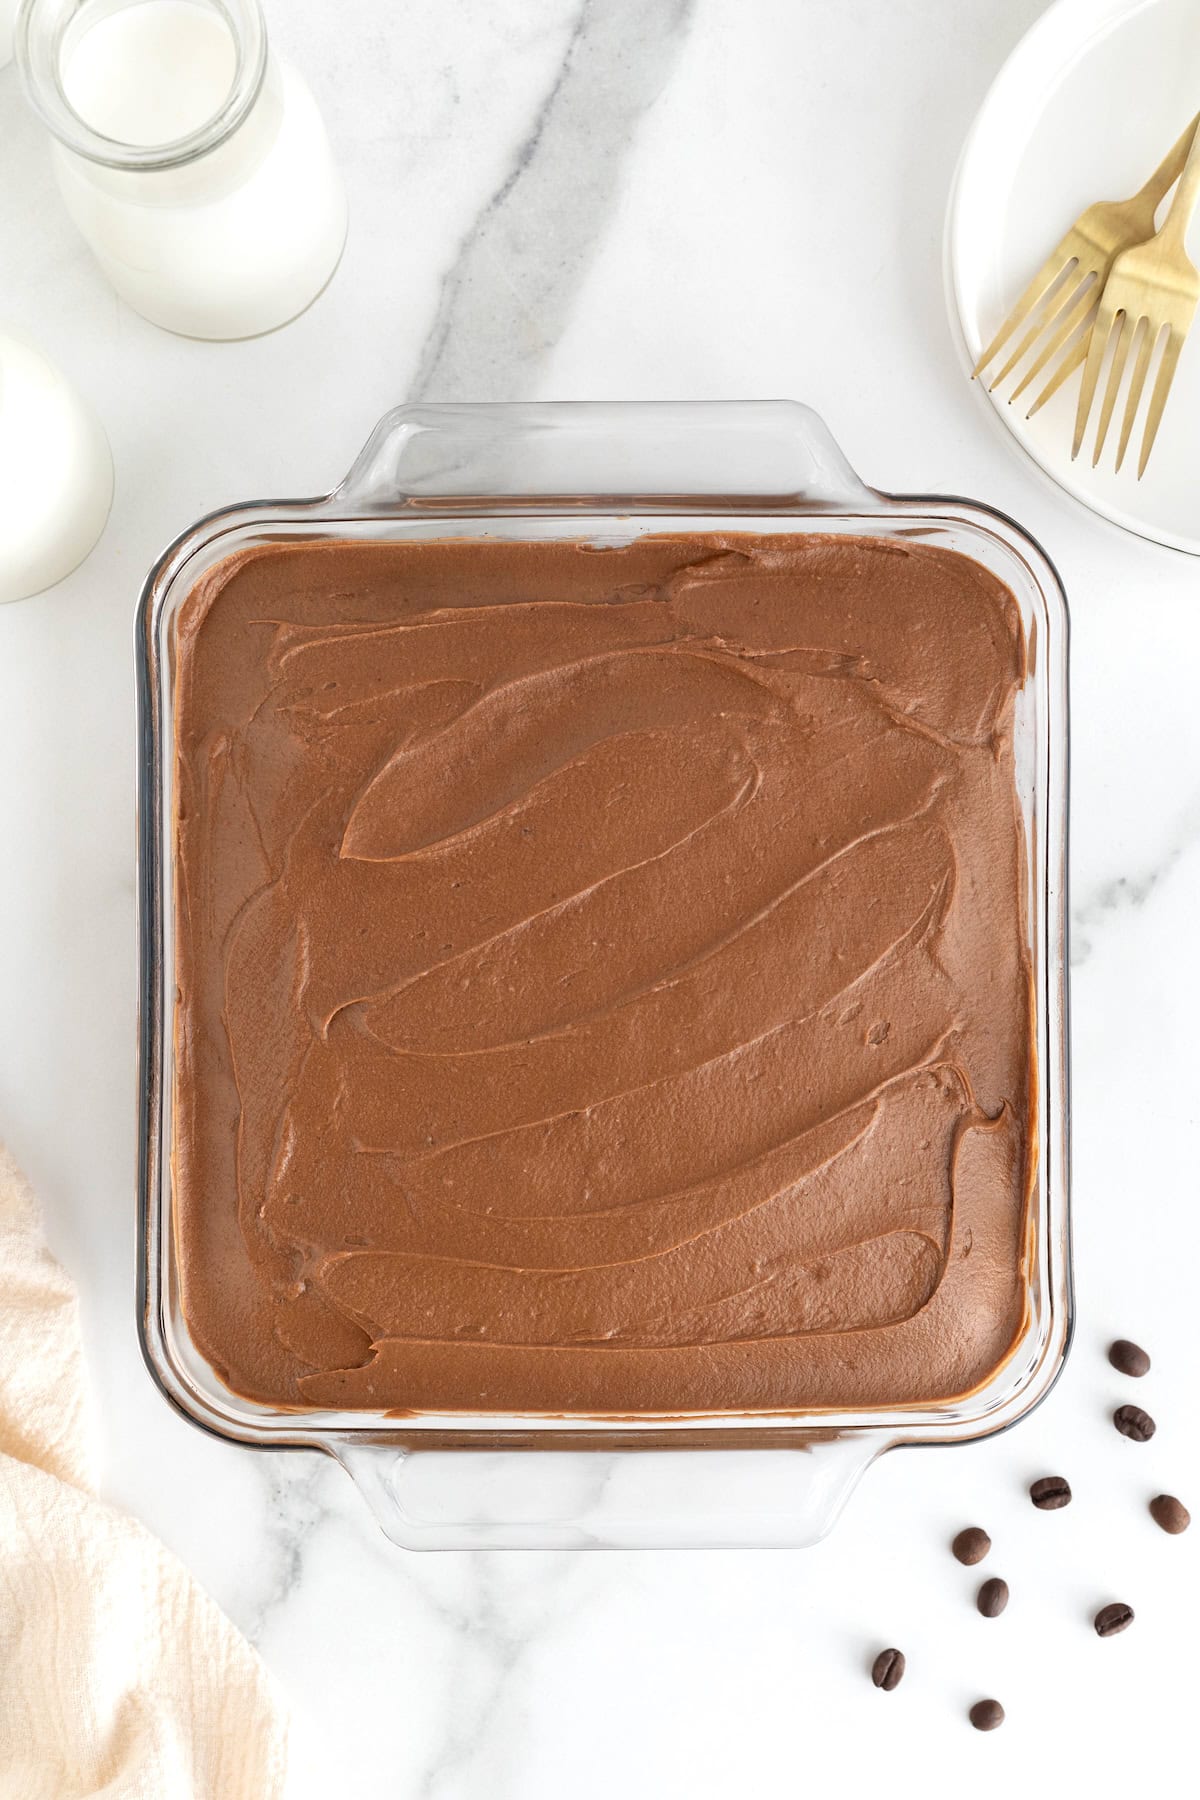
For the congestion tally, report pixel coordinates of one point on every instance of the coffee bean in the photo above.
(971, 1545)
(1170, 1513)
(1051, 1492)
(1113, 1618)
(992, 1598)
(1133, 1423)
(887, 1671)
(985, 1715)
(1129, 1358)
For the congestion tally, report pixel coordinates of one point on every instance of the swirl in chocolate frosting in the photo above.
(602, 975)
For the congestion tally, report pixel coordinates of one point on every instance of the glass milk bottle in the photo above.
(56, 476)
(194, 162)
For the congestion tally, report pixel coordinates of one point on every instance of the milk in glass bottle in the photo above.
(193, 160)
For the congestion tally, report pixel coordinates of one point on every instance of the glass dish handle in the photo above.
(776, 453)
(597, 1499)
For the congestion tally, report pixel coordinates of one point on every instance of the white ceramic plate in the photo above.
(1084, 109)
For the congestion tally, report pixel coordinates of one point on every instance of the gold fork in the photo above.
(1065, 289)
(1152, 288)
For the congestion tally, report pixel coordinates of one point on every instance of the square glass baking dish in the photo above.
(607, 472)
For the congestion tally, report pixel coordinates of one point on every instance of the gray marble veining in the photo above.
(1124, 893)
(505, 298)
(295, 1507)
(493, 1641)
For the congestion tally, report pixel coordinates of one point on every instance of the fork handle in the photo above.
(1187, 194)
(1171, 166)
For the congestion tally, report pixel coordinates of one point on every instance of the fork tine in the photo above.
(1137, 382)
(1083, 304)
(1126, 329)
(1158, 399)
(1066, 368)
(1091, 374)
(1044, 321)
(1055, 266)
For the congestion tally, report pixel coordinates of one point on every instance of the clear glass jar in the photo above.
(194, 162)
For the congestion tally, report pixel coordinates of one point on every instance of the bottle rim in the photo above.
(44, 29)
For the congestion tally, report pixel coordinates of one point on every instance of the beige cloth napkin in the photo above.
(119, 1678)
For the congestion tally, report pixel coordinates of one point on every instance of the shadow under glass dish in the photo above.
(609, 473)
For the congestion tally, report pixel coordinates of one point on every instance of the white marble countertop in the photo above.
(630, 199)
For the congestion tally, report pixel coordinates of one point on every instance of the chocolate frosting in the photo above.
(602, 975)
